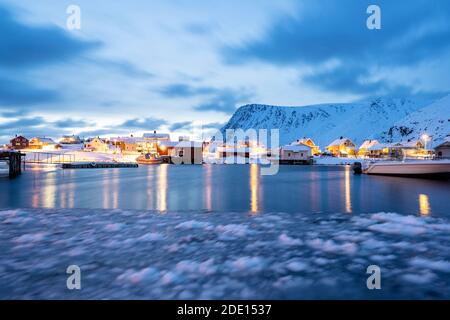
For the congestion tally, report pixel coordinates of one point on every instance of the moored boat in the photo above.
(413, 168)
(149, 158)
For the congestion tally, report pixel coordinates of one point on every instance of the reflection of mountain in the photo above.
(381, 118)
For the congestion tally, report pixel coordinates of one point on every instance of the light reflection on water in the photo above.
(348, 196)
(424, 204)
(254, 186)
(208, 187)
(226, 188)
(162, 187)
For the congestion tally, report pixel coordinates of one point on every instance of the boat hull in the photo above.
(149, 162)
(429, 169)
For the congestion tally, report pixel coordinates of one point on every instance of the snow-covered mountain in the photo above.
(326, 122)
(433, 120)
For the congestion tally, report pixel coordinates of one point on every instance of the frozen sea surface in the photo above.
(198, 255)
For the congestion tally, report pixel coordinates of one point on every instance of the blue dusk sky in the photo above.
(178, 65)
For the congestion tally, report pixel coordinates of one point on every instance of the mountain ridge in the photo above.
(385, 119)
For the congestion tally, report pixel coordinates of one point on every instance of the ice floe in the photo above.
(221, 255)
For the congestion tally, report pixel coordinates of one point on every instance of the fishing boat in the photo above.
(149, 158)
(412, 168)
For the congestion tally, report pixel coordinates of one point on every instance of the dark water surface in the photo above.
(225, 188)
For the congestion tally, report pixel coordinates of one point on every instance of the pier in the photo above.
(14, 160)
(99, 165)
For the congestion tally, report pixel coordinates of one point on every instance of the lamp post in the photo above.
(425, 139)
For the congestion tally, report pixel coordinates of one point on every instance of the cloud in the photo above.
(72, 123)
(26, 52)
(143, 124)
(28, 127)
(199, 29)
(187, 125)
(353, 79)
(411, 33)
(28, 46)
(38, 126)
(182, 90)
(19, 93)
(13, 113)
(225, 101)
(123, 67)
(101, 132)
(213, 125)
(22, 123)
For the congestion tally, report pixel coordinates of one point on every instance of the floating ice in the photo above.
(193, 224)
(439, 265)
(288, 241)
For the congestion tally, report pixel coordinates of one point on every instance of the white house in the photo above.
(367, 146)
(100, 145)
(443, 150)
(296, 153)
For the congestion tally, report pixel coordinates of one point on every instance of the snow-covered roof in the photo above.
(303, 141)
(18, 137)
(45, 140)
(128, 140)
(446, 142)
(368, 144)
(409, 144)
(156, 136)
(296, 148)
(338, 142)
(379, 146)
(70, 137)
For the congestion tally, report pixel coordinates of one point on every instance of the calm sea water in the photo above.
(225, 188)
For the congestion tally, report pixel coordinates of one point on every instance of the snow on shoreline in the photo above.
(126, 254)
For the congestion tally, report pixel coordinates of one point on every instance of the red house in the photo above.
(19, 142)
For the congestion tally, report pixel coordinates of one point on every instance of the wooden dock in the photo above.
(14, 160)
(99, 165)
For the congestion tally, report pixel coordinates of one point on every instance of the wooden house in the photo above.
(19, 142)
(98, 145)
(315, 150)
(410, 148)
(365, 149)
(70, 139)
(43, 143)
(342, 147)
